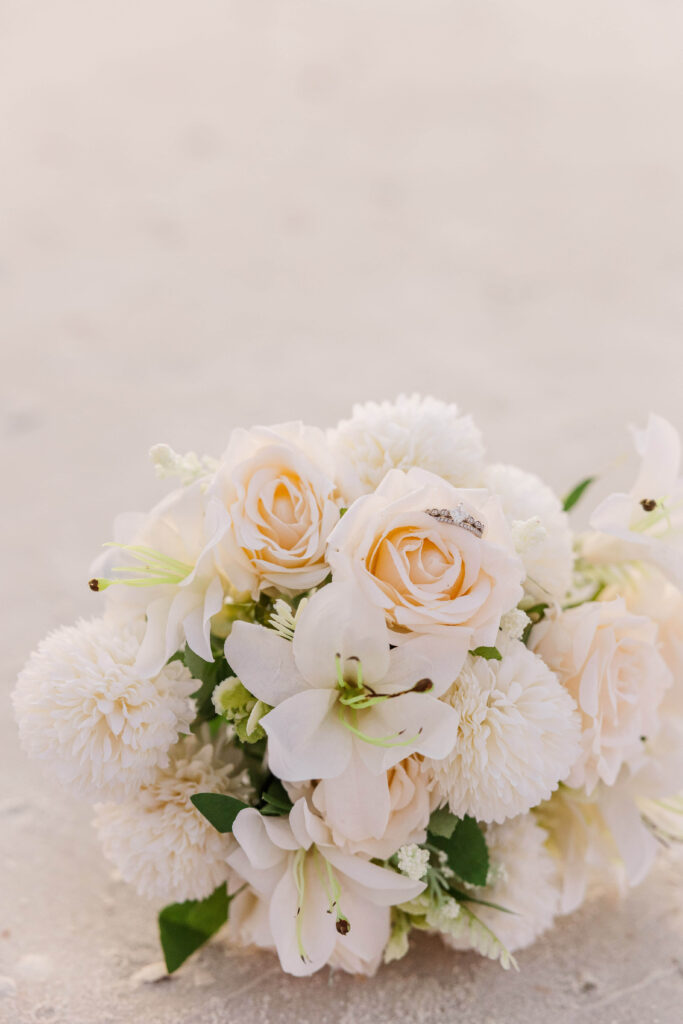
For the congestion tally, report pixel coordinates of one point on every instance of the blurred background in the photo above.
(237, 212)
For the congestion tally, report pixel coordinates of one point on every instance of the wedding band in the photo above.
(458, 517)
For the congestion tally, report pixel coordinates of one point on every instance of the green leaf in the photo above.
(209, 674)
(184, 927)
(536, 612)
(219, 809)
(276, 802)
(442, 823)
(490, 653)
(577, 493)
(254, 756)
(467, 897)
(466, 850)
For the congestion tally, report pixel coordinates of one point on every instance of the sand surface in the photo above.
(226, 213)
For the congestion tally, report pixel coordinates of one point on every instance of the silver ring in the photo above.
(458, 517)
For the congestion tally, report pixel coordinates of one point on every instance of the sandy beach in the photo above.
(231, 213)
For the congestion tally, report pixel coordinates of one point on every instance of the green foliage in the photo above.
(465, 849)
(442, 823)
(536, 612)
(209, 674)
(219, 809)
(184, 927)
(275, 800)
(490, 653)
(577, 493)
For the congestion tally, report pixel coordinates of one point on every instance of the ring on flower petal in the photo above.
(458, 517)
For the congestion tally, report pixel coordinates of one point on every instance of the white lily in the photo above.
(315, 904)
(648, 519)
(346, 707)
(164, 566)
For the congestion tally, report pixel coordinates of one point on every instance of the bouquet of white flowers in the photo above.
(350, 684)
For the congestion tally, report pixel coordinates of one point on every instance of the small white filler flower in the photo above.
(413, 861)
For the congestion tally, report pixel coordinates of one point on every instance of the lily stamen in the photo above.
(378, 741)
(661, 512)
(298, 869)
(154, 568)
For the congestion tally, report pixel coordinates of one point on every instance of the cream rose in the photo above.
(646, 591)
(278, 485)
(609, 661)
(429, 576)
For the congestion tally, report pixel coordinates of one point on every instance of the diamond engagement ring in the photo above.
(458, 517)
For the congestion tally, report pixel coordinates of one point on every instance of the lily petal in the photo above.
(357, 803)
(197, 622)
(304, 932)
(263, 840)
(659, 447)
(264, 662)
(420, 724)
(305, 738)
(436, 658)
(339, 621)
(307, 828)
(635, 842)
(380, 885)
(368, 932)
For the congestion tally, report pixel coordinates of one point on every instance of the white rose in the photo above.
(278, 485)
(412, 431)
(429, 576)
(609, 661)
(647, 592)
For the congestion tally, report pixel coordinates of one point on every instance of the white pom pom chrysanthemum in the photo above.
(540, 529)
(412, 431)
(159, 841)
(518, 736)
(81, 704)
(522, 879)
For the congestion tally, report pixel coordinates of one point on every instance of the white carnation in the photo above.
(82, 705)
(540, 529)
(159, 841)
(412, 431)
(517, 739)
(523, 879)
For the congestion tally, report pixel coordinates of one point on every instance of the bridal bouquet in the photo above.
(344, 685)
